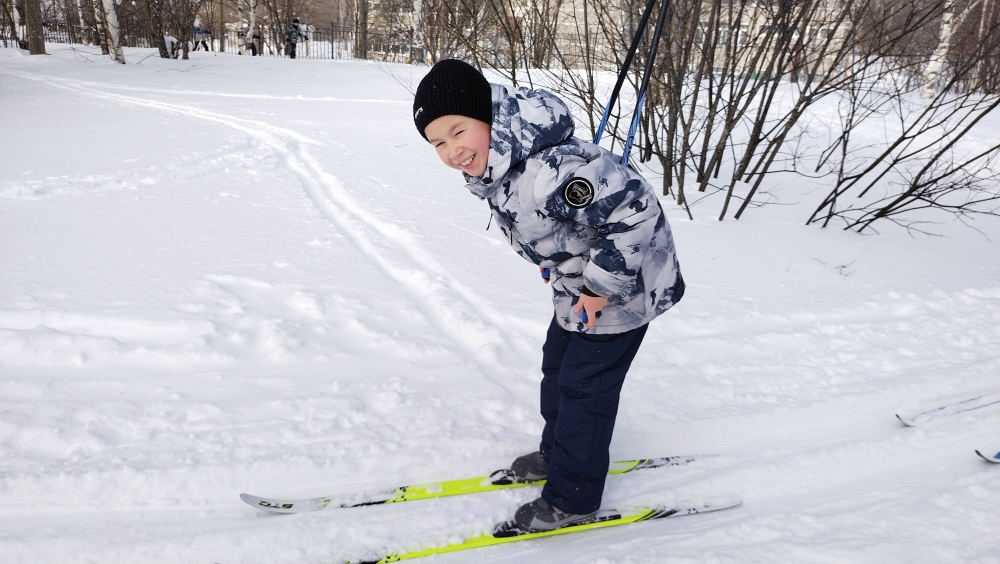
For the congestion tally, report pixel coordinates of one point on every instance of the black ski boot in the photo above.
(539, 516)
(530, 467)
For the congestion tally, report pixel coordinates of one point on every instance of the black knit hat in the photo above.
(452, 88)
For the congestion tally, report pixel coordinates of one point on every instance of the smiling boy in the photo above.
(461, 142)
(596, 226)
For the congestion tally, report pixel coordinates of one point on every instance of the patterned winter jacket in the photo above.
(570, 206)
(292, 34)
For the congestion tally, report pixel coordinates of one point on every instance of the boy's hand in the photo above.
(593, 304)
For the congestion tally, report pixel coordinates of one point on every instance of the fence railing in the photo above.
(330, 43)
(319, 44)
(72, 34)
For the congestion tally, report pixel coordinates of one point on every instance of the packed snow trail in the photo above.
(477, 327)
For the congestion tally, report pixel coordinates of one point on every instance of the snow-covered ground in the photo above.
(238, 274)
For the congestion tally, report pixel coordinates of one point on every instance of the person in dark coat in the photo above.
(292, 36)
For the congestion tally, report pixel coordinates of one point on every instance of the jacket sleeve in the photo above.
(608, 197)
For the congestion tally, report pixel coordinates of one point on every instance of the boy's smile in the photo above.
(461, 142)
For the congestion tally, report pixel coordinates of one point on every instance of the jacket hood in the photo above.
(524, 123)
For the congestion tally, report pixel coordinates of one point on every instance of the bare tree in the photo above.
(922, 167)
(436, 40)
(391, 31)
(92, 23)
(361, 30)
(178, 16)
(33, 21)
(949, 22)
(112, 30)
(156, 30)
(12, 20)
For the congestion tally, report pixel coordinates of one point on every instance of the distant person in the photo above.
(249, 40)
(201, 35)
(292, 37)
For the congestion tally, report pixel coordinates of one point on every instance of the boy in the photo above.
(596, 228)
(292, 36)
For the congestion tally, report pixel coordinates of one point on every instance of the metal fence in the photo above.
(333, 42)
(330, 43)
(72, 34)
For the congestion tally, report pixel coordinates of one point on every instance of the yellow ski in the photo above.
(508, 532)
(501, 479)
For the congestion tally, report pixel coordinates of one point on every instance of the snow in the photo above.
(236, 274)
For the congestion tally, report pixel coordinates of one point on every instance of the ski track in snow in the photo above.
(90, 85)
(475, 326)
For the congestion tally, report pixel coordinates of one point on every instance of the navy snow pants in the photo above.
(582, 380)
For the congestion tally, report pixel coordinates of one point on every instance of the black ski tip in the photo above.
(994, 459)
(506, 477)
(389, 558)
(503, 477)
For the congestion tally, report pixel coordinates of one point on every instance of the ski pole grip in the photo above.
(545, 274)
(583, 315)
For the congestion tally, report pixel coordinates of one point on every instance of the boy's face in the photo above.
(461, 142)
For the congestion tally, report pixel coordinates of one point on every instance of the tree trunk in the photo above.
(112, 29)
(221, 37)
(79, 14)
(940, 53)
(15, 21)
(158, 32)
(89, 21)
(417, 45)
(948, 25)
(361, 31)
(72, 16)
(33, 21)
(101, 29)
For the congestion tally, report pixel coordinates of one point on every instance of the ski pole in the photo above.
(626, 65)
(664, 8)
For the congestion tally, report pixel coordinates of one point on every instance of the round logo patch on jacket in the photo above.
(578, 193)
